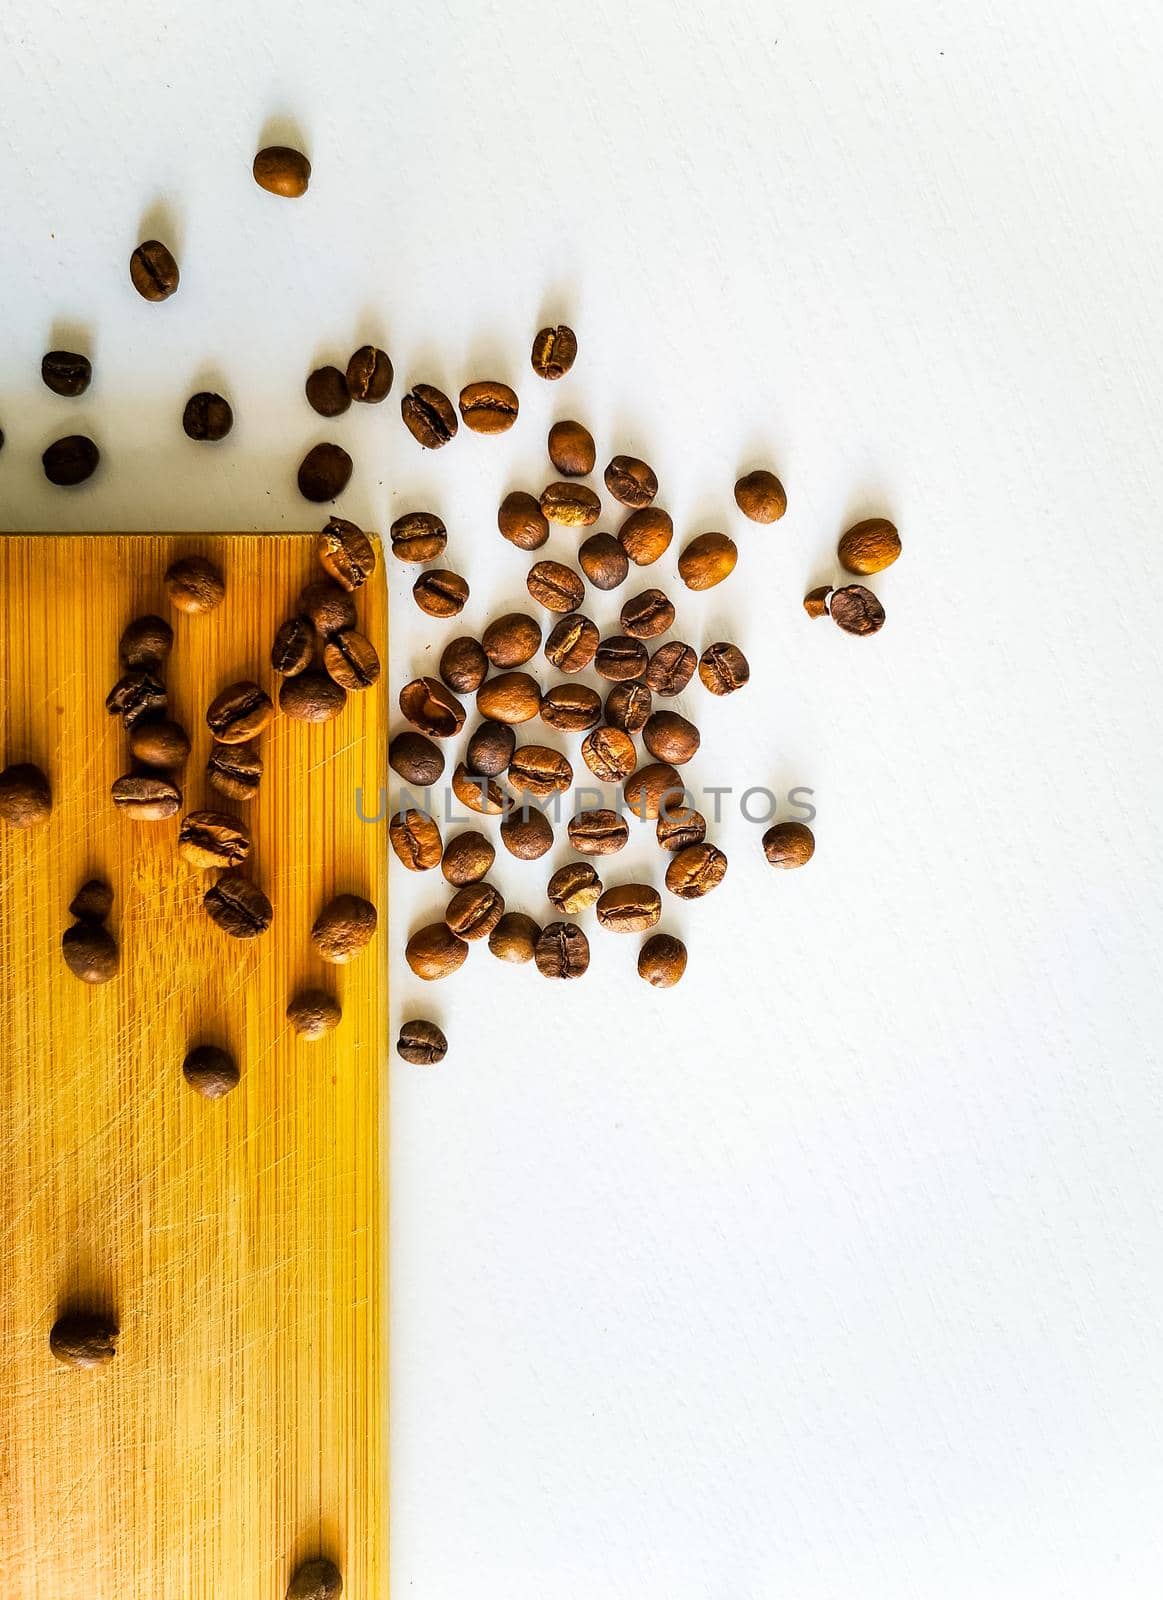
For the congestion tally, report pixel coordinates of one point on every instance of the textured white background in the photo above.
(836, 1271)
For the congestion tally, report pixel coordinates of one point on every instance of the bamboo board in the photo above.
(240, 1428)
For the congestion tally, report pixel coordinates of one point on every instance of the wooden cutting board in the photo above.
(241, 1427)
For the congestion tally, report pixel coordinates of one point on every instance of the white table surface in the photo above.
(836, 1271)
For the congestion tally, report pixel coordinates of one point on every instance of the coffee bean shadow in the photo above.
(760, 455)
(629, 434)
(489, 356)
(208, 377)
(160, 220)
(69, 334)
(370, 328)
(88, 1284)
(427, 362)
(871, 499)
(282, 128)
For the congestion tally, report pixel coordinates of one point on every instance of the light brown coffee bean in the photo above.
(346, 554)
(329, 606)
(527, 833)
(421, 1044)
(440, 593)
(628, 705)
(572, 643)
(620, 658)
(759, 495)
(194, 585)
(147, 798)
(609, 754)
(463, 664)
(239, 712)
(695, 871)
(327, 392)
(312, 697)
(671, 668)
(488, 407)
(283, 171)
(536, 769)
(647, 615)
(369, 375)
(213, 840)
(662, 961)
(235, 770)
(418, 536)
(522, 521)
(479, 793)
(630, 908)
(25, 795)
(415, 837)
(789, 844)
(562, 951)
(238, 906)
(856, 610)
(598, 833)
(512, 640)
(428, 416)
(294, 648)
(723, 668)
(570, 505)
(435, 952)
(574, 888)
(351, 660)
(324, 472)
(153, 271)
(468, 857)
(474, 911)
(679, 826)
(869, 546)
(344, 928)
(670, 737)
(631, 481)
(650, 788)
(514, 938)
(511, 697)
(645, 535)
(432, 708)
(571, 449)
(417, 760)
(159, 744)
(490, 748)
(555, 586)
(313, 1013)
(707, 560)
(554, 351)
(571, 707)
(816, 601)
(603, 561)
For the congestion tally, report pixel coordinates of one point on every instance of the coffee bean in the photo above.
(572, 643)
(440, 593)
(522, 521)
(571, 449)
(527, 833)
(856, 610)
(146, 643)
(707, 560)
(153, 271)
(346, 554)
(535, 769)
(571, 707)
(207, 417)
(490, 748)
(511, 697)
(671, 668)
(194, 585)
(723, 668)
(429, 706)
(312, 697)
(816, 601)
(344, 928)
(418, 536)
(514, 938)
(695, 870)
(480, 794)
(464, 664)
(421, 1044)
(603, 561)
(25, 796)
(620, 658)
(428, 416)
(468, 857)
(66, 373)
(417, 760)
(92, 902)
(628, 705)
(327, 392)
(351, 660)
(679, 826)
(609, 754)
(146, 797)
(555, 586)
(235, 770)
(650, 788)
(512, 640)
(662, 961)
(313, 1013)
(554, 351)
(869, 546)
(294, 647)
(415, 837)
(160, 744)
(474, 911)
(631, 481)
(670, 737)
(488, 407)
(435, 952)
(210, 1071)
(647, 615)
(84, 1339)
(280, 170)
(324, 472)
(759, 495)
(316, 1580)
(645, 535)
(571, 505)
(789, 844)
(90, 952)
(369, 375)
(213, 840)
(329, 607)
(136, 697)
(630, 908)
(562, 951)
(574, 888)
(598, 833)
(239, 712)
(70, 461)
(238, 906)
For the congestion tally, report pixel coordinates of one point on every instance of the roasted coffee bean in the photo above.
(146, 643)
(435, 952)
(25, 795)
(488, 407)
(283, 171)
(213, 840)
(84, 1339)
(856, 610)
(671, 668)
(603, 561)
(428, 416)
(630, 908)
(535, 769)
(70, 461)
(648, 790)
(609, 754)
(369, 375)
(207, 417)
(574, 888)
(432, 708)
(679, 826)
(562, 951)
(707, 560)
(474, 911)
(571, 707)
(346, 554)
(344, 928)
(670, 737)
(92, 902)
(328, 605)
(136, 696)
(480, 794)
(66, 373)
(327, 392)
(662, 961)
(527, 833)
(598, 833)
(468, 857)
(440, 593)
(153, 271)
(759, 495)
(313, 1013)
(464, 664)
(514, 938)
(490, 748)
(695, 870)
(238, 906)
(723, 668)
(312, 697)
(90, 952)
(571, 449)
(418, 536)
(571, 505)
(869, 546)
(554, 351)
(555, 586)
(628, 705)
(421, 1044)
(351, 660)
(194, 585)
(511, 697)
(522, 521)
(572, 643)
(316, 1580)
(239, 712)
(235, 770)
(816, 601)
(294, 647)
(146, 797)
(324, 472)
(512, 640)
(416, 759)
(415, 837)
(160, 744)
(645, 535)
(620, 658)
(631, 481)
(647, 615)
(789, 844)
(210, 1071)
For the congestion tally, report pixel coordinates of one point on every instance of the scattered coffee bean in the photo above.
(207, 417)
(421, 1044)
(488, 407)
(514, 938)
(90, 952)
(671, 668)
(571, 707)
(66, 373)
(574, 888)
(294, 647)
(723, 668)
(313, 1013)
(435, 952)
(647, 615)
(344, 928)
(512, 640)
(211, 1071)
(369, 375)
(136, 697)
(631, 481)
(522, 521)
(789, 844)
(329, 607)
(92, 902)
(239, 712)
(571, 505)
(554, 351)
(474, 911)
(603, 561)
(759, 495)
(464, 664)
(572, 643)
(535, 769)
(869, 546)
(598, 833)
(84, 1339)
(679, 826)
(432, 708)
(707, 560)
(609, 754)
(480, 794)
(662, 961)
(415, 837)
(428, 416)
(628, 705)
(238, 906)
(468, 857)
(856, 610)
(620, 658)
(670, 737)
(160, 744)
(346, 554)
(695, 870)
(25, 795)
(440, 593)
(312, 697)
(351, 659)
(417, 760)
(147, 797)
(194, 585)
(651, 789)
(555, 586)
(527, 833)
(562, 951)
(816, 601)
(146, 643)
(212, 840)
(153, 271)
(324, 472)
(571, 449)
(69, 461)
(327, 392)
(235, 770)
(511, 697)
(418, 536)
(630, 908)
(280, 170)
(490, 748)
(316, 1580)
(645, 535)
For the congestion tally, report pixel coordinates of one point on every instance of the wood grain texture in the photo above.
(240, 1428)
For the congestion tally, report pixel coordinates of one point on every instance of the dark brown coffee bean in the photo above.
(468, 857)
(312, 697)
(527, 833)
(554, 351)
(816, 601)
(647, 615)
(90, 952)
(707, 560)
(432, 708)
(571, 449)
(609, 754)
(628, 705)
(631, 481)
(571, 707)
(759, 495)
(662, 961)
(70, 461)
(488, 407)
(723, 668)
(25, 795)
(490, 748)
(324, 472)
(351, 660)
(418, 536)
(511, 697)
(562, 951)
(679, 826)
(235, 770)
(316, 1580)
(207, 417)
(160, 744)
(574, 888)
(630, 908)
(512, 640)
(415, 837)
(428, 416)
(869, 546)
(92, 902)
(421, 1044)
(283, 171)
(464, 664)
(789, 844)
(329, 607)
(514, 938)
(598, 833)
(344, 928)
(416, 759)
(571, 505)
(346, 554)
(210, 1071)
(369, 375)
(522, 521)
(440, 593)
(238, 906)
(474, 911)
(535, 769)
(603, 561)
(856, 610)
(194, 585)
(620, 658)
(239, 712)
(572, 643)
(145, 644)
(480, 794)
(651, 788)
(153, 271)
(136, 697)
(294, 647)
(66, 373)
(670, 737)
(213, 841)
(84, 1339)
(327, 392)
(645, 535)
(555, 586)
(313, 1013)
(146, 797)
(671, 668)
(695, 871)
(435, 952)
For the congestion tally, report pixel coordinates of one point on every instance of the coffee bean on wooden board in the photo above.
(417, 760)
(346, 554)
(620, 658)
(629, 908)
(418, 536)
(662, 961)
(146, 797)
(789, 844)
(324, 472)
(856, 610)
(522, 521)
(488, 407)
(329, 606)
(511, 640)
(600, 832)
(628, 705)
(432, 708)
(651, 788)
(554, 351)
(211, 1071)
(562, 951)
(571, 707)
(609, 754)
(603, 561)
(313, 1013)
(707, 560)
(283, 171)
(428, 415)
(83, 1338)
(318, 1579)
(207, 417)
(464, 664)
(631, 481)
(670, 737)
(235, 770)
(414, 835)
(869, 546)
(571, 449)
(90, 952)
(646, 534)
(70, 461)
(759, 495)
(238, 906)
(723, 668)
(512, 697)
(153, 271)
(145, 643)
(572, 643)
(670, 668)
(570, 505)
(421, 1044)
(213, 840)
(479, 793)
(695, 870)
(474, 911)
(194, 585)
(514, 938)
(25, 795)
(555, 586)
(312, 697)
(490, 748)
(647, 615)
(536, 769)
(239, 712)
(327, 392)
(679, 826)
(350, 658)
(135, 697)
(66, 373)
(435, 952)
(574, 888)
(468, 857)
(369, 375)
(527, 833)
(92, 902)
(294, 648)
(344, 928)
(440, 593)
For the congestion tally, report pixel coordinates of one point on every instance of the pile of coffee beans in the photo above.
(89, 949)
